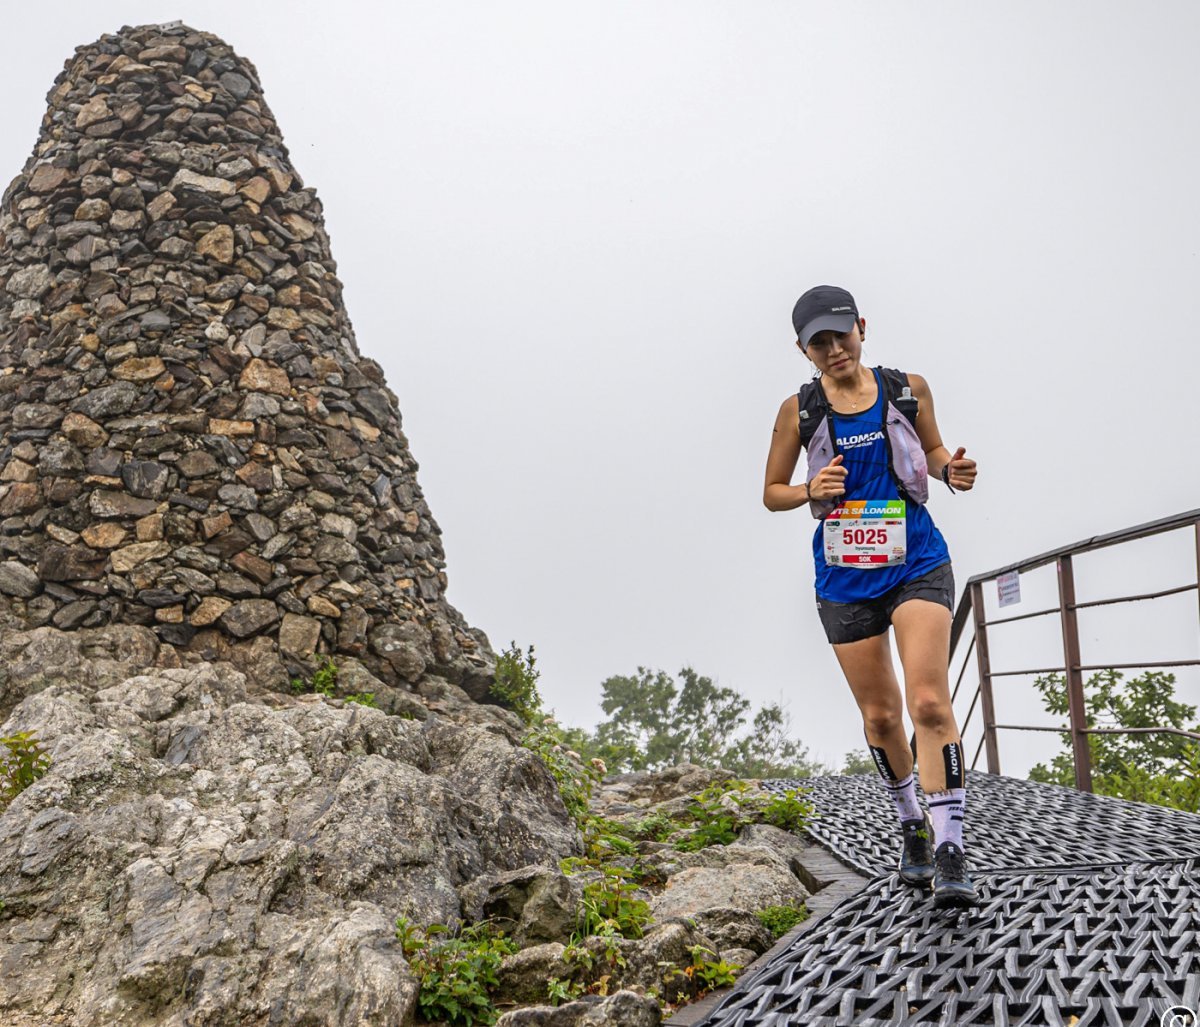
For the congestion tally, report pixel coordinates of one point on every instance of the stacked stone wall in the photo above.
(189, 437)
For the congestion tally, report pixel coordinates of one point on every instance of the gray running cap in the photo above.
(823, 308)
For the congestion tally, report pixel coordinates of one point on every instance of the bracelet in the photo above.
(946, 477)
(808, 490)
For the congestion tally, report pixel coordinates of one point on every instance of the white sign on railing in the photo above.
(1009, 587)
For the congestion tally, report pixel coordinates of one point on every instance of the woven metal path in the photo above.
(1090, 916)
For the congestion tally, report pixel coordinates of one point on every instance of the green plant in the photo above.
(323, 678)
(715, 815)
(363, 699)
(609, 906)
(22, 762)
(575, 780)
(781, 919)
(709, 974)
(1139, 785)
(722, 809)
(577, 955)
(657, 827)
(456, 972)
(563, 991)
(515, 683)
(789, 810)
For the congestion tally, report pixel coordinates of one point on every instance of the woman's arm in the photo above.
(828, 483)
(781, 460)
(962, 472)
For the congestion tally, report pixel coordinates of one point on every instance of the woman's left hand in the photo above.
(961, 471)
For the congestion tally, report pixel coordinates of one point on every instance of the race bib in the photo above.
(866, 533)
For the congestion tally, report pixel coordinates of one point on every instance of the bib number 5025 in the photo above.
(864, 536)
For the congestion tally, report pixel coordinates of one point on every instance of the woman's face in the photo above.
(836, 354)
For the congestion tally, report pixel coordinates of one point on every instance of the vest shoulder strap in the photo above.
(812, 410)
(899, 393)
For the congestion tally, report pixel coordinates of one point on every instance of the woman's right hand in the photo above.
(830, 481)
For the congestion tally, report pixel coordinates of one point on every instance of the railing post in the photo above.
(985, 679)
(1196, 525)
(1070, 630)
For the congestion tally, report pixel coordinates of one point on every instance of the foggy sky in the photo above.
(572, 234)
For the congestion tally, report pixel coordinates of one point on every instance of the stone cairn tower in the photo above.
(189, 438)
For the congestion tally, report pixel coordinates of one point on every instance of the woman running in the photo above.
(872, 445)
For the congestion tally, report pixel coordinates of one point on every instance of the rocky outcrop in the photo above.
(203, 846)
(190, 440)
(205, 850)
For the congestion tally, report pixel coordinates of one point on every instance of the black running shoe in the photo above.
(951, 882)
(916, 858)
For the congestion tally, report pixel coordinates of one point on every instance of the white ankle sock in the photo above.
(947, 810)
(904, 792)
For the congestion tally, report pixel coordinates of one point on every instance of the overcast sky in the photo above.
(573, 234)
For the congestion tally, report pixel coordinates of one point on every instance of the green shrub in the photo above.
(781, 919)
(457, 974)
(1137, 784)
(789, 811)
(657, 827)
(575, 781)
(722, 809)
(323, 678)
(609, 906)
(363, 699)
(515, 684)
(22, 762)
(715, 819)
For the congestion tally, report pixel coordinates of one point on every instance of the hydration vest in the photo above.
(906, 456)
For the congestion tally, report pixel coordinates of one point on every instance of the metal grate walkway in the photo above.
(1090, 916)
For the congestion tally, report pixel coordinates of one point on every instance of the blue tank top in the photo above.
(864, 455)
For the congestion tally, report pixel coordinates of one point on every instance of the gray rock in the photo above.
(238, 85)
(249, 617)
(18, 580)
(262, 528)
(117, 504)
(106, 401)
(523, 975)
(532, 905)
(188, 181)
(734, 929)
(31, 282)
(36, 415)
(743, 885)
(145, 478)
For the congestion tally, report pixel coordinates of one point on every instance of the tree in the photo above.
(1151, 767)
(854, 762)
(653, 724)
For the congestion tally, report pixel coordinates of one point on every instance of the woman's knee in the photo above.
(930, 708)
(880, 721)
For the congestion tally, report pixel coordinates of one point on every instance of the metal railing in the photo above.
(971, 610)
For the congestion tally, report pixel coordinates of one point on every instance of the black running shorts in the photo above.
(852, 622)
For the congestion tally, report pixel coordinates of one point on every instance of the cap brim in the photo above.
(835, 322)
